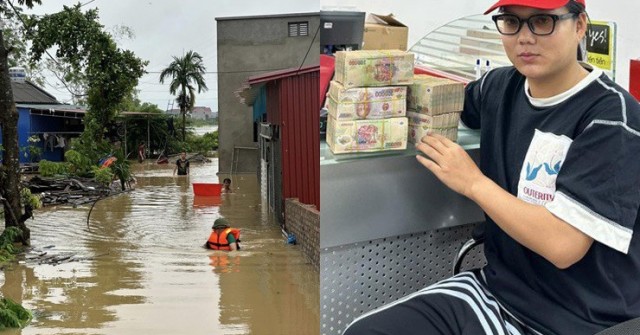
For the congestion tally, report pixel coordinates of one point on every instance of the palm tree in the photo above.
(185, 71)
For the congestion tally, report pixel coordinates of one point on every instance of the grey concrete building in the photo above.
(250, 46)
(197, 113)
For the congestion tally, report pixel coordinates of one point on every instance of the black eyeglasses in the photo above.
(539, 24)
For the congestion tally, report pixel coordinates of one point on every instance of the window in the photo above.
(298, 29)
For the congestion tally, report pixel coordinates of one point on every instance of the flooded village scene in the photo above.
(153, 172)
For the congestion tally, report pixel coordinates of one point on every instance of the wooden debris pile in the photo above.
(73, 191)
(195, 158)
(200, 158)
(47, 255)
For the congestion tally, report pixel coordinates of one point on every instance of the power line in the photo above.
(163, 85)
(86, 3)
(27, 31)
(150, 72)
(310, 46)
(228, 72)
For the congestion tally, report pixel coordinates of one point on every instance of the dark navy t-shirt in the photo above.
(577, 154)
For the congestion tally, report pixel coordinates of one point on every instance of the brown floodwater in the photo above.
(139, 267)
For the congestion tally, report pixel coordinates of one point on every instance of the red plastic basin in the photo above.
(206, 189)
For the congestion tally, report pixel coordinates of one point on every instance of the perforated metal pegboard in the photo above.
(360, 277)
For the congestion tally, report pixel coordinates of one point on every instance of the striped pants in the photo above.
(460, 305)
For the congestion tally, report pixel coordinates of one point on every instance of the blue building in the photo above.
(42, 117)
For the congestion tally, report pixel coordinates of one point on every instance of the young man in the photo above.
(182, 165)
(223, 237)
(226, 185)
(559, 183)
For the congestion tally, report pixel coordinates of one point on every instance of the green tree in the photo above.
(15, 39)
(150, 127)
(91, 55)
(185, 72)
(10, 168)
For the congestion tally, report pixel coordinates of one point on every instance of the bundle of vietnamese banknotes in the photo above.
(432, 95)
(366, 102)
(367, 135)
(364, 68)
(444, 124)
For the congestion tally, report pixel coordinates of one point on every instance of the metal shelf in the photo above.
(457, 46)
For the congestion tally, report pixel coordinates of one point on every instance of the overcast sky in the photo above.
(166, 28)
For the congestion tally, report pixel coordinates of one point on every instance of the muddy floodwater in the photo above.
(138, 266)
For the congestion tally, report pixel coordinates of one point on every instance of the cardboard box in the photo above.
(364, 68)
(366, 102)
(432, 95)
(384, 32)
(443, 124)
(367, 135)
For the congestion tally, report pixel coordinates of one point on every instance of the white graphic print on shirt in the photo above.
(541, 166)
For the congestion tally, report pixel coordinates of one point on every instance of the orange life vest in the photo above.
(219, 242)
(107, 162)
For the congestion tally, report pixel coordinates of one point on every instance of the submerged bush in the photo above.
(78, 163)
(13, 315)
(50, 169)
(121, 168)
(7, 249)
(104, 176)
(30, 199)
(203, 144)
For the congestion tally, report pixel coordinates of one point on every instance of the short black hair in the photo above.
(575, 7)
(225, 180)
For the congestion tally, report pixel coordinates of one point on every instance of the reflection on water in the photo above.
(143, 268)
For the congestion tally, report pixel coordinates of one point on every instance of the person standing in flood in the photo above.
(226, 185)
(223, 237)
(141, 156)
(182, 165)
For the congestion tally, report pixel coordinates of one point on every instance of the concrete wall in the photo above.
(304, 222)
(248, 47)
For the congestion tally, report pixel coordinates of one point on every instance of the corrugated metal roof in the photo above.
(63, 109)
(249, 90)
(58, 110)
(139, 113)
(55, 107)
(26, 92)
(265, 77)
(295, 101)
(292, 104)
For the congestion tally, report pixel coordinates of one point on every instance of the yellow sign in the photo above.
(601, 61)
(601, 45)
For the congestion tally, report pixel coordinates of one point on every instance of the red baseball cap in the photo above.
(539, 4)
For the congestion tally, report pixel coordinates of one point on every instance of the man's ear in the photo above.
(582, 25)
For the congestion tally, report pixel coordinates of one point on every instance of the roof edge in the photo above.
(42, 90)
(268, 16)
(262, 78)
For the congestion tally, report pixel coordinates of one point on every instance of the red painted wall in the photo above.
(292, 103)
(634, 78)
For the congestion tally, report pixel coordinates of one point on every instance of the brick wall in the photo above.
(304, 222)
